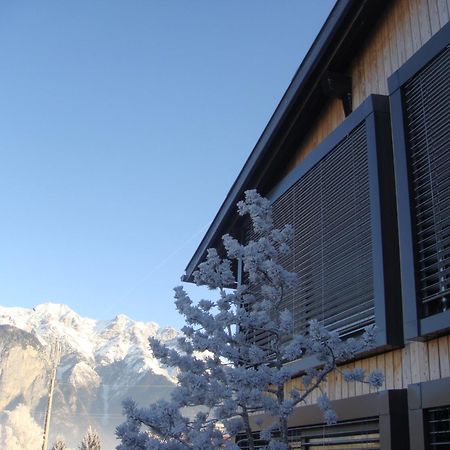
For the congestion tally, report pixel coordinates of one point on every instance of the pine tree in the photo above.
(91, 440)
(19, 430)
(59, 444)
(223, 369)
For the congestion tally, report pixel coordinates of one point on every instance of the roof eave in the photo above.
(311, 66)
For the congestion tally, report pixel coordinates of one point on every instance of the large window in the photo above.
(429, 415)
(375, 421)
(357, 434)
(340, 202)
(420, 99)
(329, 207)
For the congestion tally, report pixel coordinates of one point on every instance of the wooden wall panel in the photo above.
(404, 28)
(444, 360)
(331, 117)
(415, 363)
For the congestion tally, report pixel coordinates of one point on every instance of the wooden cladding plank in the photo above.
(393, 30)
(434, 16)
(373, 365)
(443, 12)
(337, 385)
(415, 363)
(406, 366)
(400, 32)
(386, 56)
(424, 21)
(366, 367)
(397, 357)
(389, 370)
(444, 361)
(312, 398)
(415, 26)
(408, 34)
(351, 384)
(358, 386)
(433, 360)
(330, 385)
(345, 387)
(423, 362)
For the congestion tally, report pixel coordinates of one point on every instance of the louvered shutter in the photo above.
(356, 434)
(340, 203)
(426, 104)
(329, 209)
(437, 426)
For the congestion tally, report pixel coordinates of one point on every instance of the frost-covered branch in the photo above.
(223, 368)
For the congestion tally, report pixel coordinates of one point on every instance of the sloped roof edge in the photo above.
(331, 32)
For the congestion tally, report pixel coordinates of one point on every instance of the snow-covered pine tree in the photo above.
(19, 430)
(91, 440)
(59, 444)
(222, 369)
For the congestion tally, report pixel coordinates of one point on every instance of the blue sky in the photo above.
(122, 127)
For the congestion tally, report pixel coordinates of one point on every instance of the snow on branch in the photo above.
(223, 371)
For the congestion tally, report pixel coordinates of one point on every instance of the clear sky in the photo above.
(123, 124)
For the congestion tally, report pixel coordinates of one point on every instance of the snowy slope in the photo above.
(99, 343)
(102, 362)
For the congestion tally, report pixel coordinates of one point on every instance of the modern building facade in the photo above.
(357, 158)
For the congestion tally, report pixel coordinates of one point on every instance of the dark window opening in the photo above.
(437, 427)
(329, 208)
(357, 434)
(426, 103)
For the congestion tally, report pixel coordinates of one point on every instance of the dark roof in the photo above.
(334, 47)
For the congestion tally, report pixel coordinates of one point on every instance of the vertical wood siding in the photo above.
(405, 26)
(415, 363)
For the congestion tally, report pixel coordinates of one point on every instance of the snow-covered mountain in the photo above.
(102, 363)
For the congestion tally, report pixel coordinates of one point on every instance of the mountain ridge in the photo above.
(102, 363)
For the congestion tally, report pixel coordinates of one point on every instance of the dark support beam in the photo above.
(337, 85)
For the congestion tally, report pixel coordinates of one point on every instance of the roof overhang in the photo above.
(333, 49)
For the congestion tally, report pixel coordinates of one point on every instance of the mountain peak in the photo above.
(102, 363)
(55, 309)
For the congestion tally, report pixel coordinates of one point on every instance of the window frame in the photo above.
(422, 396)
(385, 256)
(414, 326)
(388, 406)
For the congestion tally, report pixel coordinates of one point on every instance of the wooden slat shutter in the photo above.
(356, 434)
(426, 101)
(340, 201)
(329, 209)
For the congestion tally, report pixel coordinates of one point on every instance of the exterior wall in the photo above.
(417, 362)
(404, 28)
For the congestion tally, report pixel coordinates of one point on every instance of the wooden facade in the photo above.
(417, 362)
(415, 353)
(403, 28)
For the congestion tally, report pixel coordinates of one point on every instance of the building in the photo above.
(357, 157)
